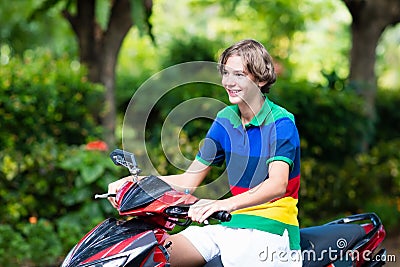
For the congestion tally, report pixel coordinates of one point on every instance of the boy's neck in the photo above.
(248, 110)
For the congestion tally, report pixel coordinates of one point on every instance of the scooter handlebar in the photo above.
(222, 215)
(182, 211)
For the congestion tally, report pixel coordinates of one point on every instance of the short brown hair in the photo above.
(256, 60)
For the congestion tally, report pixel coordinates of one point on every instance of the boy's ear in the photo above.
(261, 84)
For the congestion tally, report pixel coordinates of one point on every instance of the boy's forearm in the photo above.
(182, 182)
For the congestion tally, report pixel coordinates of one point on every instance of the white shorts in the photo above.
(243, 247)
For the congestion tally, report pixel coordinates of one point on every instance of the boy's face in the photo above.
(239, 84)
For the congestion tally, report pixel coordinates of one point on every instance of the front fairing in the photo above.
(149, 196)
(145, 191)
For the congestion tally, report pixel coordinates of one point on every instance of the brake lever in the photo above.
(106, 195)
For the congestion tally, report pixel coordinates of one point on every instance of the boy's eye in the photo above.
(237, 74)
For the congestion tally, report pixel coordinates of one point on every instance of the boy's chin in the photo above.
(235, 99)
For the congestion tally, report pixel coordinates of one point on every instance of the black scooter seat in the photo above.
(323, 244)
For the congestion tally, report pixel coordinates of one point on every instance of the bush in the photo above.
(48, 110)
(42, 97)
(31, 179)
(388, 115)
(44, 245)
(34, 244)
(330, 123)
(56, 184)
(368, 182)
(13, 248)
(195, 48)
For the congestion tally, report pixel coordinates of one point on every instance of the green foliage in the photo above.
(363, 183)
(387, 104)
(12, 246)
(87, 172)
(73, 226)
(29, 180)
(41, 97)
(44, 244)
(48, 110)
(141, 15)
(382, 165)
(134, 68)
(20, 31)
(330, 122)
(193, 48)
(56, 184)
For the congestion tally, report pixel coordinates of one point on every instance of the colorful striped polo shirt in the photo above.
(270, 136)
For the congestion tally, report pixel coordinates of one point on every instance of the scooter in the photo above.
(153, 208)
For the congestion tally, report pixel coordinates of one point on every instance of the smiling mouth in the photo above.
(233, 92)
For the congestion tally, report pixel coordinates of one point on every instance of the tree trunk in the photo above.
(370, 19)
(119, 24)
(99, 52)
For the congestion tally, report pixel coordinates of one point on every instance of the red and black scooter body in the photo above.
(153, 208)
(136, 241)
(116, 243)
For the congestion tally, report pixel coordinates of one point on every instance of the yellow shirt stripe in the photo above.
(282, 210)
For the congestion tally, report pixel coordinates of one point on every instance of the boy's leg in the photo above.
(250, 247)
(183, 253)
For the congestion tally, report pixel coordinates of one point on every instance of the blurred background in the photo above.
(68, 69)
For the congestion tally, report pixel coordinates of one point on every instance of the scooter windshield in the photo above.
(143, 192)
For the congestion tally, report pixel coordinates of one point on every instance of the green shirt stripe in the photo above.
(267, 225)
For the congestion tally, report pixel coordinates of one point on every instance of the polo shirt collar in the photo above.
(260, 117)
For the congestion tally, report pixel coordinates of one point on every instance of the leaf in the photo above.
(44, 7)
(140, 17)
(91, 173)
(72, 163)
(9, 167)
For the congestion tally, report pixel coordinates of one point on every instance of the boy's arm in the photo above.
(190, 179)
(274, 187)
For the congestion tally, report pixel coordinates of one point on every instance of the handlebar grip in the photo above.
(181, 211)
(222, 215)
